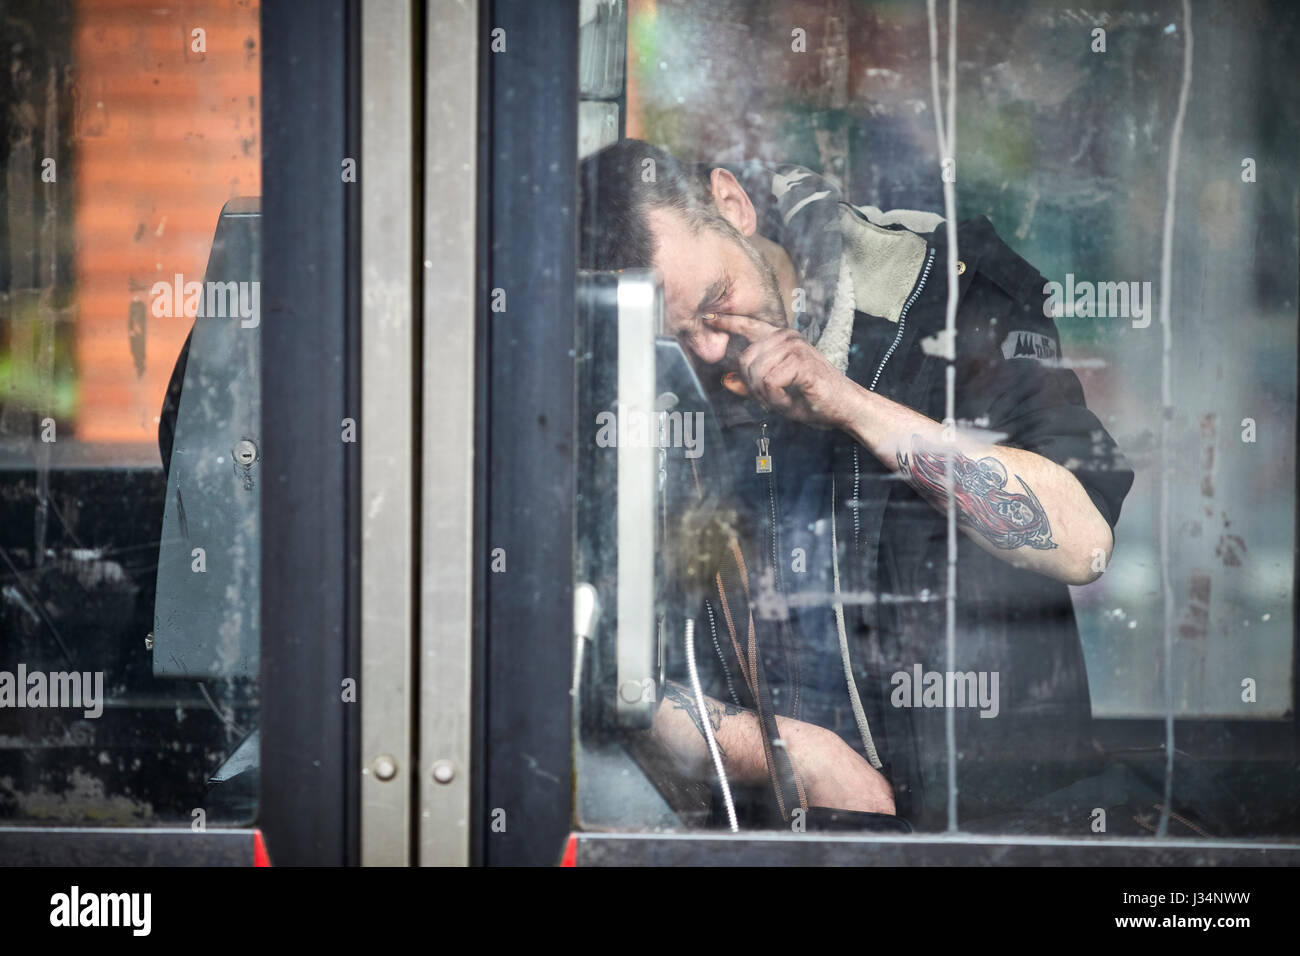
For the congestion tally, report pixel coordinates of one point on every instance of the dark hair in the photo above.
(620, 184)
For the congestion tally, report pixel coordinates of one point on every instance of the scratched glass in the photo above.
(128, 605)
(1126, 188)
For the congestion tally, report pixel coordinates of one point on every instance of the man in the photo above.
(819, 326)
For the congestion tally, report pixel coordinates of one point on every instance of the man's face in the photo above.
(708, 271)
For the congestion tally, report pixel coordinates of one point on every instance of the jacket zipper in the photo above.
(902, 317)
(726, 671)
(857, 474)
(771, 506)
(791, 655)
(898, 337)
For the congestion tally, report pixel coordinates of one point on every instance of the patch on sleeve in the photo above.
(1033, 345)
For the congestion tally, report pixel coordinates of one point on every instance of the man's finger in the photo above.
(770, 382)
(752, 329)
(775, 376)
(756, 360)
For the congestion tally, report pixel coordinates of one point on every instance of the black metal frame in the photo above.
(117, 847)
(525, 476)
(616, 849)
(525, 466)
(310, 383)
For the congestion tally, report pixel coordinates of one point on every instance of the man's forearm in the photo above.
(1018, 506)
(1021, 507)
(833, 774)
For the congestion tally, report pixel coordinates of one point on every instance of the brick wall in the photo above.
(164, 136)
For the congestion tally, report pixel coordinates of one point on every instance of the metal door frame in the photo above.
(310, 624)
(525, 463)
(387, 426)
(449, 452)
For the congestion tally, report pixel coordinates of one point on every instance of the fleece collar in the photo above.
(799, 210)
(848, 259)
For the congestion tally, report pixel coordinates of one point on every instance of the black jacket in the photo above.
(893, 548)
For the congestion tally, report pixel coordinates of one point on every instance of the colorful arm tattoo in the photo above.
(984, 504)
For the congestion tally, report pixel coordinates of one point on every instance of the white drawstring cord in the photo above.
(859, 715)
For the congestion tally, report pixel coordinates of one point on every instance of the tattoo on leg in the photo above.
(1006, 518)
(682, 700)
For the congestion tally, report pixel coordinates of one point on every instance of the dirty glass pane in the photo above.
(129, 412)
(1117, 423)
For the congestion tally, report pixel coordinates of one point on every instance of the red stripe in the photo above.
(260, 856)
(570, 851)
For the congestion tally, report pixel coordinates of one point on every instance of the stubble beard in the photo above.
(772, 310)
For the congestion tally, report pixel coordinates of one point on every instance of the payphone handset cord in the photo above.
(708, 725)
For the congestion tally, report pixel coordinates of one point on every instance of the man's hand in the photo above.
(783, 372)
(836, 775)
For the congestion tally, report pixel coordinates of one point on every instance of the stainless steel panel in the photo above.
(447, 443)
(386, 178)
(640, 306)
